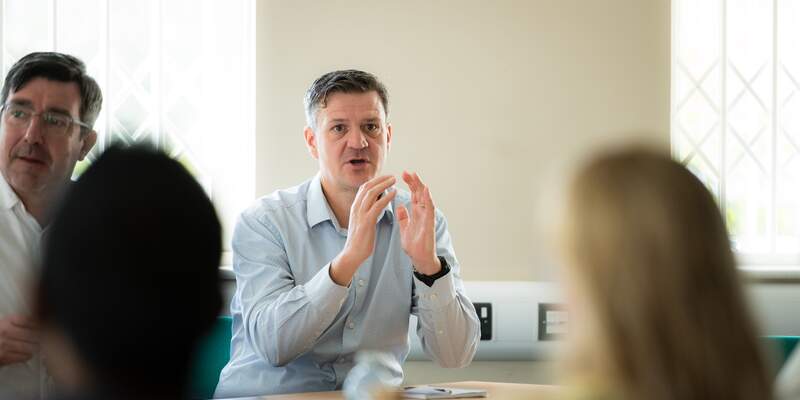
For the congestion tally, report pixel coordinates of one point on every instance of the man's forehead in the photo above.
(48, 95)
(374, 113)
(353, 105)
(353, 100)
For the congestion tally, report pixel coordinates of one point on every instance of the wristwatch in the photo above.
(429, 279)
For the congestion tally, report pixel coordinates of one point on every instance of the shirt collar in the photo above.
(8, 199)
(319, 210)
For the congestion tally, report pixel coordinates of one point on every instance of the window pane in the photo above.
(178, 73)
(788, 133)
(748, 133)
(736, 116)
(22, 34)
(697, 96)
(76, 37)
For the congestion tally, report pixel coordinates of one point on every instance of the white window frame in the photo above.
(770, 264)
(226, 211)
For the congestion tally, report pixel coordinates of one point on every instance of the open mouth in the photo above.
(357, 161)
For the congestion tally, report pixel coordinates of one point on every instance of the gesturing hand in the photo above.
(361, 230)
(417, 228)
(19, 339)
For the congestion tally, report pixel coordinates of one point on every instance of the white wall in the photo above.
(488, 98)
(776, 305)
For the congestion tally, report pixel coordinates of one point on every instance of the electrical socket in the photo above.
(484, 311)
(553, 321)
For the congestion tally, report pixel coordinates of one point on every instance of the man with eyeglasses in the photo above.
(48, 106)
(339, 263)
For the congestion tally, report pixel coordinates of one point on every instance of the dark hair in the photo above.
(130, 271)
(56, 67)
(343, 81)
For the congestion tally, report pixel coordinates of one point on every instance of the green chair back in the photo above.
(213, 353)
(780, 348)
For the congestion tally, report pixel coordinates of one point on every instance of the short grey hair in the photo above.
(342, 81)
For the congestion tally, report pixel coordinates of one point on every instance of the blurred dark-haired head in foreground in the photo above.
(130, 278)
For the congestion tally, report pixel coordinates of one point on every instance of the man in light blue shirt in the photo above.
(339, 263)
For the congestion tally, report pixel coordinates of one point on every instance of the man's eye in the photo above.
(339, 128)
(371, 128)
(19, 114)
(55, 121)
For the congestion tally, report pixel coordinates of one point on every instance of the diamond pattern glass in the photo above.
(736, 117)
(162, 65)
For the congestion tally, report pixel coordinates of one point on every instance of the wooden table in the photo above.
(495, 390)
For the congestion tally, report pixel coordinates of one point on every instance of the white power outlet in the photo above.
(514, 319)
(553, 321)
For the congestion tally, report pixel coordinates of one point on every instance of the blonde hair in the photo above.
(650, 262)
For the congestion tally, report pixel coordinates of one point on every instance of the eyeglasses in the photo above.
(55, 124)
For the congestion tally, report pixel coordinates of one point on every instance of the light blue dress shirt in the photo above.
(295, 330)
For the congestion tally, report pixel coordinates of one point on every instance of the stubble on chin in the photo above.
(33, 179)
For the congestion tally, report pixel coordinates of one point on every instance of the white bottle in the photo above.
(371, 377)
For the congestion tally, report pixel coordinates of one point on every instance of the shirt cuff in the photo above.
(324, 293)
(439, 295)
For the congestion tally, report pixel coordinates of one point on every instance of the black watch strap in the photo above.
(429, 279)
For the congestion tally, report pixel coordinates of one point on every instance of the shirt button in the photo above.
(441, 332)
(351, 325)
(433, 296)
(360, 282)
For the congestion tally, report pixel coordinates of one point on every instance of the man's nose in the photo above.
(35, 131)
(356, 139)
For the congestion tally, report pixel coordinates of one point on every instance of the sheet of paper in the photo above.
(435, 392)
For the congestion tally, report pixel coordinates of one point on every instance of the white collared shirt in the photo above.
(20, 236)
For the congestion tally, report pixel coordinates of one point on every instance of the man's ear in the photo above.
(311, 142)
(87, 142)
(388, 136)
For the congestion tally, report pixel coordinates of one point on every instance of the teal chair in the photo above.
(213, 353)
(780, 348)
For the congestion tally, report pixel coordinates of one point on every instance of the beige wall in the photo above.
(488, 100)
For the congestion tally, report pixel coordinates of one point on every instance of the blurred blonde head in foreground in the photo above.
(657, 311)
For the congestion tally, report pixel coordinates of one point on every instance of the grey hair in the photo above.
(342, 81)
